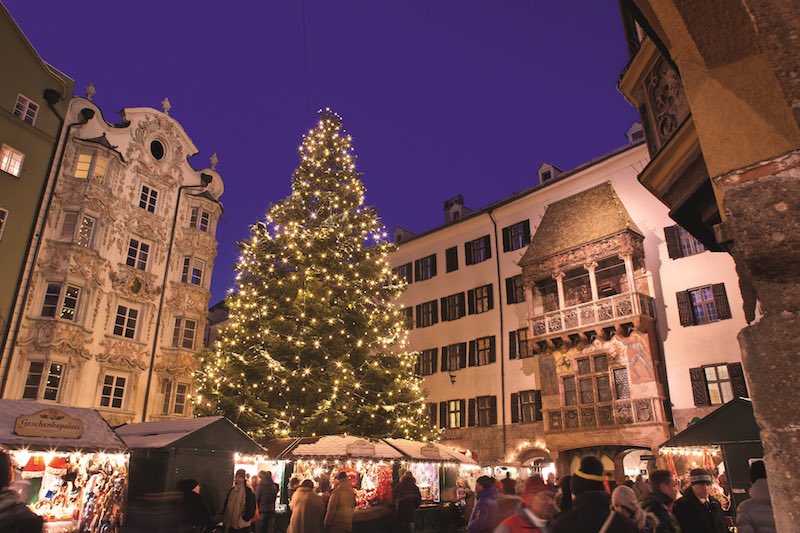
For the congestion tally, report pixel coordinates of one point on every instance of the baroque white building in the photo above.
(117, 300)
(574, 317)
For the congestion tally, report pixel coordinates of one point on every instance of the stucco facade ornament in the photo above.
(177, 362)
(184, 297)
(67, 259)
(123, 354)
(667, 99)
(192, 242)
(44, 335)
(134, 284)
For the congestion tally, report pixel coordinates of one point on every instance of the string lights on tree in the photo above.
(314, 344)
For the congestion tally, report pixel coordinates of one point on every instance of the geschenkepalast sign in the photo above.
(48, 423)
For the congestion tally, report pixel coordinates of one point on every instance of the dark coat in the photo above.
(406, 498)
(194, 511)
(266, 493)
(589, 510)
(249, 510)
(656, 502)
(15, 517)
(484, 514)
(697, 517)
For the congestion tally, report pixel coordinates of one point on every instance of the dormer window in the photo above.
(92, 165)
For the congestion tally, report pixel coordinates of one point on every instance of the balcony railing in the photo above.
(618, 413)
(597, 312)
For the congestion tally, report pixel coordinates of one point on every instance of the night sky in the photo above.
(441, 97)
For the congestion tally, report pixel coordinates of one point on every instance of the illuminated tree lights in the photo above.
(314, 344)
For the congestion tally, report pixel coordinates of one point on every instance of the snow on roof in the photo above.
(95, 433)
(162, 434)
(346, 446)
(430, 451)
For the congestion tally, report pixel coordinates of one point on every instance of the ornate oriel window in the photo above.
(594, 382)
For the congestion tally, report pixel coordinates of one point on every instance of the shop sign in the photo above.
(431, 451)
(360, 448)
(48, 423)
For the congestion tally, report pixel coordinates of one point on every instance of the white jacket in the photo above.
(755, 515)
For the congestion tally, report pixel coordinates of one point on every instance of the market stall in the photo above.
(207, 449)
(724, 442)
(72, 468)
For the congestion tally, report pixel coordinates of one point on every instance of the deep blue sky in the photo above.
(441, 96)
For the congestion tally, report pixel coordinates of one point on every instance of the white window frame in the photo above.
(43, 384)
(148, 199)
(196, 216)
(454, 414)
(126, 321)
(179, 333)
(23, 107)
(58, 308)
(175, 402)
(76, 235)
(116, 376)
(718, 393)
(186, 396)
(138, 262)
(91, 170)
(483, 411)
(11, 160)
(190, 265)
(3, 221)
(482, 296)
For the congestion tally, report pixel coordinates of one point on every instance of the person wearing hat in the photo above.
(536, 509)
(591, 508)
(755, 515)
(14, 514)
(697, 511)
(625, 502)
(194, 513)
(484, 514)
(341, 505)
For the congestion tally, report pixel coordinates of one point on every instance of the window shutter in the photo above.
(537, 406)
(463, 408)
(493, 411)
(685, 308)
(444, 358)
(721, 301)
(491, 295)
(433, 265)
(434, 359)
(418, 365)
(417, 270)
(471, 301)
(432, 414)
(451, 259)
(506, 239)
(471, 412)
(445, 310)
(736, 373)
(435, 312)
(699, 387)
(514, 407)
(488, 246)
(526, 231)
(419, 316)
(673, 242)
(442, 414)
(463, 359)
(512, 345)
(468, 256)
(461, 305)
(492, 356)
(510, 291)
(472, 353)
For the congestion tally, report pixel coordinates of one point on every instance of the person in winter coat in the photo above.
(308, 510)
(266, 491)
(536, 509)
(240, 505)
(194, 513)
(624, 502)
(15, 517)
(663, 491)
(406, 498)
(342, 503)
(641, 488)
(697, 511)
(755, 515)
(591, 507)
(484, 514)
(508, 485)
(563, 498)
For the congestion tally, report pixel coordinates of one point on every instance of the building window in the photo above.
(621, 385)
(166, 392)
(453, 307)
(3, 220)
(61, 301)
(425, 268)
(427, 362)
(199, 219)
(478, 250)
(451, 258)
(408, 317)
(193, 271)
(148, 198)
(717, 384)
(78, 228)
(43, 381)
(480, 299)
(526, 406)
(718, 381)
(484, 408)
(518, 344)
(11, 160)
(455, 413)
(26, 109)
(570, 392)
(113, 391)
(515, 290)
(681, 243)
(404, 272)
(431, 407)
(137, 254)
(454, 357)
(427, 314)
(181, 395)
(516, 236)
(183, 334)
(596, 382)
(703, 305)
(125, 323)
(482, 351)
(91, 164)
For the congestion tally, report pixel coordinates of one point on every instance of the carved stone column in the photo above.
(590, 268)
(559, 277)
(628, 258)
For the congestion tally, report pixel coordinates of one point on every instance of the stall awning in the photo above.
(47, 426)
(733, 423)
(206, 433)
(429, 451)
(337, 447)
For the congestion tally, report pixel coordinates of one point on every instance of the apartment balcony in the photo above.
(594, 315)
(603, 415)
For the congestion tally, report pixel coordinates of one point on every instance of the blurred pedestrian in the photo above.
(755, 515)
(508, 484)
(663, 491)
(406, 498)
(484, 515)
(698, 511)
(535, 511)
(641, 488)
(342, 503)
(240, 505)
(308, 510)
(14, 514)
(194, 513)
(563, 497)
(266, 492)
(624, 502)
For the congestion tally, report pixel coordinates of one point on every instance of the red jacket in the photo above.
(517, 523)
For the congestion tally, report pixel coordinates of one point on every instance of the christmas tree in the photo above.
(314, 344)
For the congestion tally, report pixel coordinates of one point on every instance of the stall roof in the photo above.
(733, 423)
(340, 446)
(429, 451)
(95, 433)
(210, 432)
